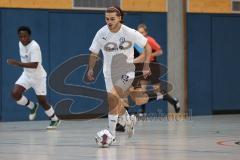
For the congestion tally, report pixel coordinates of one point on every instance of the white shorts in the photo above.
(38, 84)
(122, 81)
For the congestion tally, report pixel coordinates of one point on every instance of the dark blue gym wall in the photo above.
(157, 28)
(62, 35)
(11, 19)
(212, 55)
(226, 77)
(213, 63)
(199, 63)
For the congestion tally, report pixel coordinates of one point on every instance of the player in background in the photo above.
(138, 92)
(33, 76)
(117, 40)
(155, 69)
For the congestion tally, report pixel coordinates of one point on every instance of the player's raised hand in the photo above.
(90, 75)
(13, 62)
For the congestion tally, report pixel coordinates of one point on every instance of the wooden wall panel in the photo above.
(144, 5)
(194, 6)
(44, 4)
(209, 6)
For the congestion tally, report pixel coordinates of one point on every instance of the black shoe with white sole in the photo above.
(120, 128)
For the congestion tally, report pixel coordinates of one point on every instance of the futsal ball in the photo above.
(104, 138)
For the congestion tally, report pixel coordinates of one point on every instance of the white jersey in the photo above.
(112, 44)
(32, 53)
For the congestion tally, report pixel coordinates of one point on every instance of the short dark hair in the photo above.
(143, 26)
(117, 10)
(24, 28)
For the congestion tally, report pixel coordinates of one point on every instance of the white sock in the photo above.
(123, 118)
(54, 118)
(50, 113)
(112, 121)
(25, 102)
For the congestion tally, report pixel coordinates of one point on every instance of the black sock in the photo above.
(169, 98)
(28, 102)
(152, 96)
(143, 108)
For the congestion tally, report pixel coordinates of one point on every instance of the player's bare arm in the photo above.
(140, 58)
(146, 68)
(157, 53)
(16, 63)
(92, 62)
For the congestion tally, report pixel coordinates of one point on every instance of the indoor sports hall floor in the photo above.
(201, 137)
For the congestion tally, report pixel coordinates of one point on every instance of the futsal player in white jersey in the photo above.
(33, 76)
(116, 41)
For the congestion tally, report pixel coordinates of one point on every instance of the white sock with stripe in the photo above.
(25, 102)
(51, 114)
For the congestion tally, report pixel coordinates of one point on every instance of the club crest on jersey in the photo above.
(125, 78)
(122, 40)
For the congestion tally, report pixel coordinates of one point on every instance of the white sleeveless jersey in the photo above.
(112, 44)
(32, 53)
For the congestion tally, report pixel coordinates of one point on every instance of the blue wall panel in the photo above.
(159, 32)
(199, 63)
(225, 61)
(157, 28)
(62, 36)
(11, 20)
(68, 27)
(213, 44)
(71, 34)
